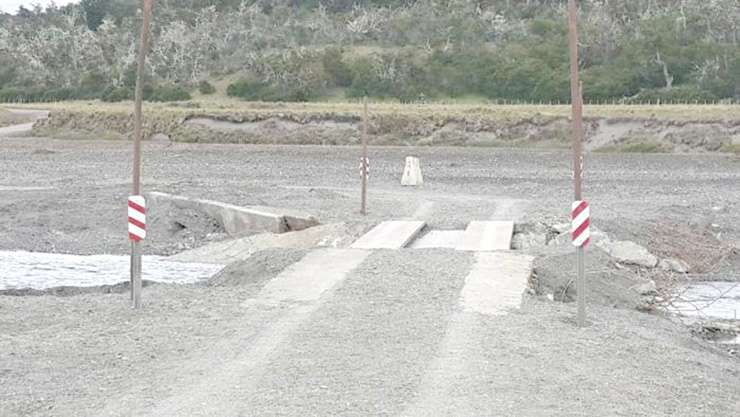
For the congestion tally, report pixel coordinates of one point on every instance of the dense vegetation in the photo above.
(411, 50)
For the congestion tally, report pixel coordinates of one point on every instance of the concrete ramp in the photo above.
(390, 235)
(449, 239)
(497, 282)
(486, 236)
(313, 275)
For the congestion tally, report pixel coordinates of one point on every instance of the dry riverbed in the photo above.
(368, 348)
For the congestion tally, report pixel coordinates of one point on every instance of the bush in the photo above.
(251, 90)
(206, 88)
(334, 65)
(167, 93)
(115, 94)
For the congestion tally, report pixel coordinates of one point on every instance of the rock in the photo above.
(631, 253)
(561, 227)
(674, 265)
(647, 288)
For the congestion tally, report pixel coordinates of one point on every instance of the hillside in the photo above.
(643, 51)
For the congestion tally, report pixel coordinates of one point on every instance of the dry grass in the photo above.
(502, 113)
(7, 118)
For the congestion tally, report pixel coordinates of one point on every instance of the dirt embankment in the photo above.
(388, 128)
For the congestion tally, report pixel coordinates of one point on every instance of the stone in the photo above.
(562, 227)
(631, 253)
(674, 265)
(412, 173)
(646, 288)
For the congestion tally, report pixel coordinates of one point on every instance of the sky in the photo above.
(11, 6)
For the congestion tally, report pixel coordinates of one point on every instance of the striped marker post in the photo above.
(365, 168)
(581, 221)
(136, 218)
(136, 233)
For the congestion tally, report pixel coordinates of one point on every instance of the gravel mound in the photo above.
(258, 268)
(555, 276)
(173, 229)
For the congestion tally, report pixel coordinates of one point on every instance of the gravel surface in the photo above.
(81, 207)
(370, 347)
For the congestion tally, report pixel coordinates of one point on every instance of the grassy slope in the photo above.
(7, 118)
(502, 113)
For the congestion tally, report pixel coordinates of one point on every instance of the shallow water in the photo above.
(21, 270)
(711, 299)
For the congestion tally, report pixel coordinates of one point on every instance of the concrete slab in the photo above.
(481, 236)
(497, 282)
(390, 235)
(439, 239)
(309, 278)
(239, 221)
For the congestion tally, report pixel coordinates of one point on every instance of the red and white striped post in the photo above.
(138, 97)
(136, 233)
(136, 218)
(581, 221)
(576, 94)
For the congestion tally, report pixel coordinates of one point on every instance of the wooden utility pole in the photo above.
(364, 161)
(576, 95)
(136, 189)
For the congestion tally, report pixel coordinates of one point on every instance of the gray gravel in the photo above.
(369, 347)
(84, 212)
(364, 351)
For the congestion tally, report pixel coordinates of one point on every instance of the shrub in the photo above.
(252, 90)
(114, 94)
(206, 88)
(337, 70)
(168, 93)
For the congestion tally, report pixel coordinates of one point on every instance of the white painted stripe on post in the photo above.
(136, 215)
(578, 221)
(581, 240)
(138, 199)
(136, 231)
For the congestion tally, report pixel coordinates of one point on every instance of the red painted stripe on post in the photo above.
(581, 228)
(136, 207)
(137, 223)
(133, 237)
(578, 210)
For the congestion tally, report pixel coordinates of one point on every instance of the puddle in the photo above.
(40, 271)
(713, 299)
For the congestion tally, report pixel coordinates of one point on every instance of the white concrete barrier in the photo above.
(412, 172)
(239, 221)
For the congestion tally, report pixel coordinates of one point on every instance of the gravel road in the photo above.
(378, 343)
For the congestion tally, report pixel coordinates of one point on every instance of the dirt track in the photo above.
(368, 347)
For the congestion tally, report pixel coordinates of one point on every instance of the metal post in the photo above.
(363, 207)
(576, 94)
(136, 246)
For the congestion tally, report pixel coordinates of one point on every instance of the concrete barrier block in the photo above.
(239, 221)
(412, 172)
